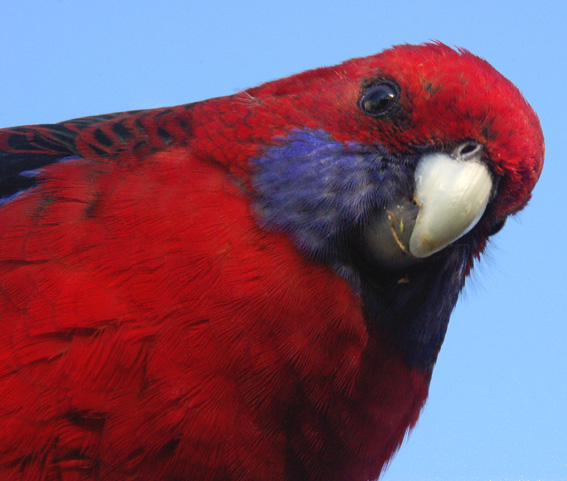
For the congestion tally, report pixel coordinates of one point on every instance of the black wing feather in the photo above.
(26, 149)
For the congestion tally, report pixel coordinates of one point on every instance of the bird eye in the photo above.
(497, 227)
(378, 99)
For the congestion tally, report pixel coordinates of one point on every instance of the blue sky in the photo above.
(498, 402)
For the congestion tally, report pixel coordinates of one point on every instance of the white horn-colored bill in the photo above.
(452, 195)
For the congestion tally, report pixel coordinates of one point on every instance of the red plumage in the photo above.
(152, 329)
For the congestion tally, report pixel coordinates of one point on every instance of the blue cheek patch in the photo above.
(320, 191)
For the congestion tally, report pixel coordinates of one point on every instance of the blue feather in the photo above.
(322, 192)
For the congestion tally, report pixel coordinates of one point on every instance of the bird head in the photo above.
(416, 146)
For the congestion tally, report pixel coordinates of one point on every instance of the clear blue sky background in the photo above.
(498, 403)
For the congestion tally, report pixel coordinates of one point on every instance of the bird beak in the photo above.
(451, 194)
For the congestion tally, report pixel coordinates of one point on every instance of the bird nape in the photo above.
(253, 287)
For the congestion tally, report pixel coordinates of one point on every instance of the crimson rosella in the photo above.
(253, 287)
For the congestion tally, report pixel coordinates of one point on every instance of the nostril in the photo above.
(468, 150)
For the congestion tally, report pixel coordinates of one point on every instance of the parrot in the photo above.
(253, 287)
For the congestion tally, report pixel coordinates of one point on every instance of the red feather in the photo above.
(121, 326)
(152, 330)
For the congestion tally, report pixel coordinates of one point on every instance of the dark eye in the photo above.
(496, 227)
(378, 99)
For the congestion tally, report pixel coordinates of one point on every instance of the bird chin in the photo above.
(388, 236)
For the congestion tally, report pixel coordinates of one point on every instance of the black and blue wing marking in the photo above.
(24, 150)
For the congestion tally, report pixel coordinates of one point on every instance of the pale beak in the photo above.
(451, 194)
